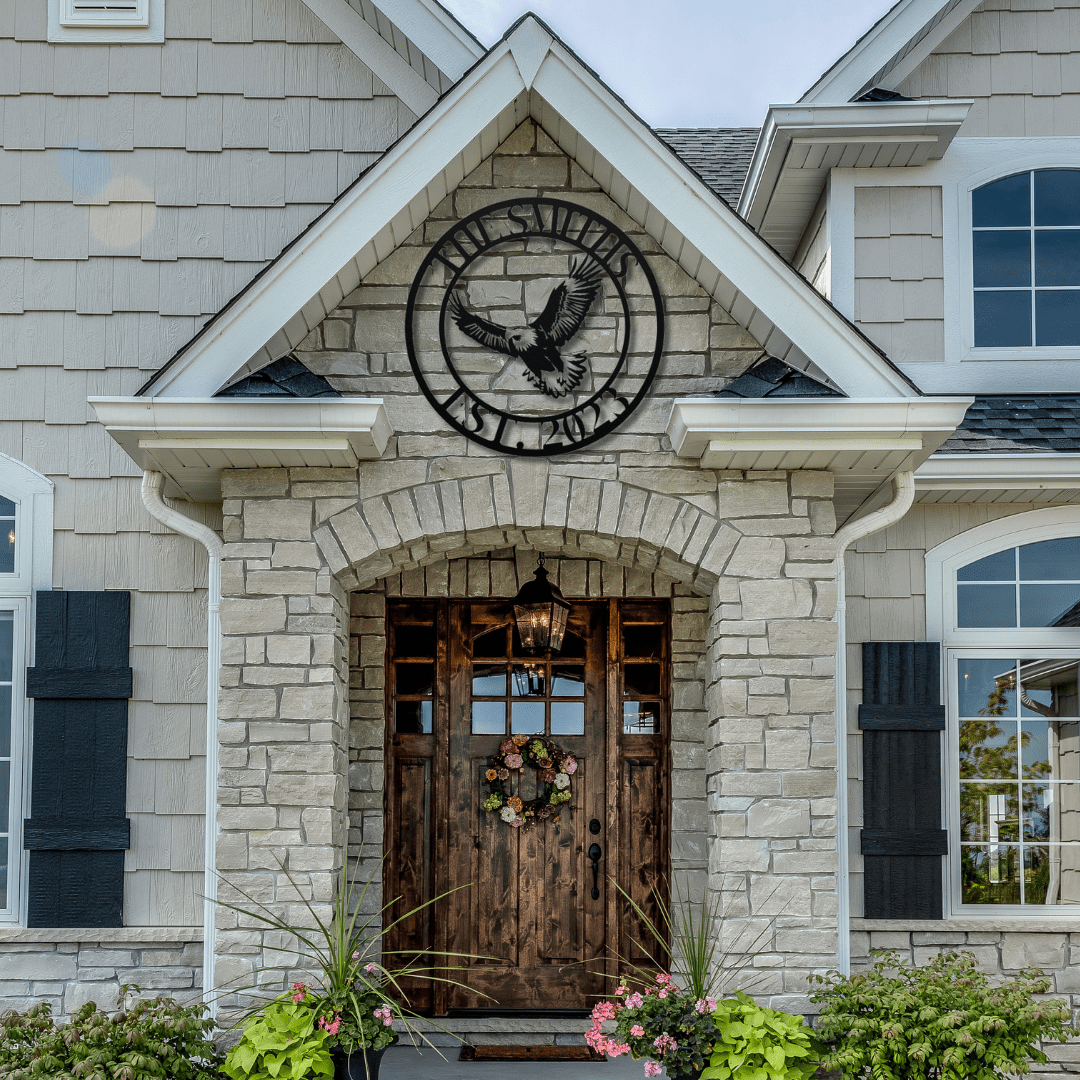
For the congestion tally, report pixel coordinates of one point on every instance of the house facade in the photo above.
(321, 326)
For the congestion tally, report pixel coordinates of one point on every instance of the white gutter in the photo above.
(903, 497)
(152, 484)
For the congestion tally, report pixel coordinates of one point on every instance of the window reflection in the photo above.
(1034, 585)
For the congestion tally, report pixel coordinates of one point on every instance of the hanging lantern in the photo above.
(540, 613)
(529, 680)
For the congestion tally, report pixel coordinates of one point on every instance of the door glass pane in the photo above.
(990, 874)
(530, 680)
(568, 718)
(1001, 566)
(1048, 688)
(1048, 605)
(1057, 258)
(1036, 875)
(988, 750)
(641, 718)
(413, 717)
(1002, 318)
(7, 536)
(1038, 807)
(573, 646)
(641, 680)
(488, 718)
(3, 871)
(489, 680)
(642, 641)
(567, 682)
(1001, 259)
(1057, 316)
(989, 812)
(1050, 749)
(985, 605)
(1057, 197)
(1004, 202)
(987, 687)
(5, 793)
(415, 678)
(1050, 560)
(493, 643)
(7, 627)
(527, 718)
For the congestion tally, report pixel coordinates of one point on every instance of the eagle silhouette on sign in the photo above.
(538, 345)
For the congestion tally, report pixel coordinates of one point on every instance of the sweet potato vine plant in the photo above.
(943, 1021)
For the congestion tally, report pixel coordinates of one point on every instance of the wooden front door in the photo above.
(458, 685)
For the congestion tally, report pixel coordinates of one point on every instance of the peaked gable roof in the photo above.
(529, 73)
(890, 50)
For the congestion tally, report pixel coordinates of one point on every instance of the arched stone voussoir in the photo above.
(527, 509)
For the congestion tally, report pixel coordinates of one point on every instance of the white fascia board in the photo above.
(379, 55)
(236, 423)
(778, 423)
(950, 472)
(875, 49)
(935, 121)
(758, 272)
(435, 32)
(333, 240)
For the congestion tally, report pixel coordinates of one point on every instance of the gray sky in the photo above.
(694, 63)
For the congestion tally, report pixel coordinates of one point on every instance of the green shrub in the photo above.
(280, 1043)
(154, 1040)
(755, 1043)
(943, 1021)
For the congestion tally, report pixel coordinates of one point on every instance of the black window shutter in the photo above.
(901, 719)
(77, 832)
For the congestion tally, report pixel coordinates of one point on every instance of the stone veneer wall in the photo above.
(69, 973)
(299, 541)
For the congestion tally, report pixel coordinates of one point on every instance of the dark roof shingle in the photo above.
(773, 377)
(720, 156)
(1018, 424)
(287, 377)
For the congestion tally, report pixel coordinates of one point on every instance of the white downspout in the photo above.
(903, 496)
(152, 483)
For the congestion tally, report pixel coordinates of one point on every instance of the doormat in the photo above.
(529, 1053)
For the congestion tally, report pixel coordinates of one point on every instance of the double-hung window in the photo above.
(1013, 693)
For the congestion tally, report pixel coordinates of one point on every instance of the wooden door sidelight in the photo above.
(458, 684)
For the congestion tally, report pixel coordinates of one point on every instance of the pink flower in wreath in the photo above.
(516, 823)
(507, 746)
(652, 1068)
(569, 765)
(637, 1031)
(514, 761)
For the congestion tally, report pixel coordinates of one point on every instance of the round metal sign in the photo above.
(534, 326)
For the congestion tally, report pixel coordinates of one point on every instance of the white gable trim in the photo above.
(530, 73)
(364, 40)
(890, 50)
(435, 32)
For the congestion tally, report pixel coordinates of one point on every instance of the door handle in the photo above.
(595, 854)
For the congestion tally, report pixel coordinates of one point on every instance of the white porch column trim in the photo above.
(152, 484)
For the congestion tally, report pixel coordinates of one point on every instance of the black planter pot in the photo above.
(360, 1065)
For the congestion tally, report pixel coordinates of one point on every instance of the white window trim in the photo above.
(32, 494)
(969, 163)
(63, 30)
(942, 563)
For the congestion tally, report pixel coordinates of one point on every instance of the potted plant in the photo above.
(340, 1024)
(944, 1021)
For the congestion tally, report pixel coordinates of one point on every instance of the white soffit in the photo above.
(1019, 478)
(435, 32)
(529, 74)
(800, 144)
(192, 440)
(861, 443)
(891, 49)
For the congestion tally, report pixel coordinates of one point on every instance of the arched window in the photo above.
(1009, 617)
(1025, 256)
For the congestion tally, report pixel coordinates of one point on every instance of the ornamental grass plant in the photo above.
(944, 1021)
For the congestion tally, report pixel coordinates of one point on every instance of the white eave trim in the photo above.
(192, 440)
(707, 427)
(876, 50)
(435, 32)
(529, 73)
(931, 122)
(951, 472)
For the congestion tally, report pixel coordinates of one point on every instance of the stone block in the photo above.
(292, 553)
(686, 333)
(102, 994)
(757, 557)
(246, 704)
(277, 519)
(804, 862)
(1044, 951)
(796, 637)
(732, 855)
(812, 695)
(787, 749)
(302, 789)
(528, 172)
(779, 817)
(307, 702)
(38, 966)
(786, 896)
(762, 498)
(782, 598)
(806, 941)
(314, 758)
(254, 483)
(252, 616)
(813, 484)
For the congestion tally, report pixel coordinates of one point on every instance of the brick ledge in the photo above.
(1062, 924)
(111, 934)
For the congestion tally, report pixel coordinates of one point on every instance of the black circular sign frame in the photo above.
(598, 242)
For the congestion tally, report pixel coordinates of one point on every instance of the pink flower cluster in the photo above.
(604, 1010)
(514, 761)
(664, 1043)
(704, 1005)
(330, 1025)
(652, 1068)
(299, 991)
(385, 1015)
(569, 766)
